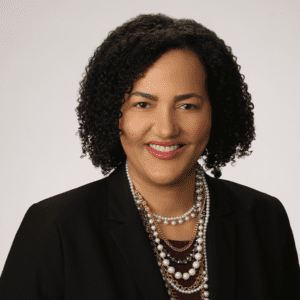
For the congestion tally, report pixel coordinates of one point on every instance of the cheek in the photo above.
(133, 126)
(201, 127)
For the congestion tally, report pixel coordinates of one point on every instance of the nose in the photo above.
(165, 123)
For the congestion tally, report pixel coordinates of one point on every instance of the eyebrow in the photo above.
(177, 98)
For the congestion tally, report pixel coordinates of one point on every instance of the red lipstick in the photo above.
(164, 155)
(163, 143)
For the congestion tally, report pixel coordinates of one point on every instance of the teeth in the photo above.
(164, 149)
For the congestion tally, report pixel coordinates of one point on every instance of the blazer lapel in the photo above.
(220, 240)
(132, 239)
(134, 243)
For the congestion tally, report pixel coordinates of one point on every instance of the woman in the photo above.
(158, 94)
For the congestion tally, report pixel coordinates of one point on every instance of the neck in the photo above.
(167, 200)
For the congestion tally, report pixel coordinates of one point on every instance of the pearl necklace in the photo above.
(167, 270)
(138, 199)
(193, 211)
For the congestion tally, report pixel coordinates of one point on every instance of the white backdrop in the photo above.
(45, 46)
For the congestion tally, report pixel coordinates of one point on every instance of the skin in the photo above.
(167, 185)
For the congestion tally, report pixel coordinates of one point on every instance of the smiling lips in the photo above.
(164, 149)
(166, 153)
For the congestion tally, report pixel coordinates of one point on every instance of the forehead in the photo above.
(176, 69)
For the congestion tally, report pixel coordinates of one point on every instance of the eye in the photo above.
(136, 105)
(195, 106)
(145, 103)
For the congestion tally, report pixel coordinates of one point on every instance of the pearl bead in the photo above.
(192, 272)
(178, 275)
(160, 247)
(158, 220)
(206, 294)
(162, 254)
(200, 227)
(200, 240)
(173, 222)
(196, 264)
(151, 221)
(153, 227)
(198, 256)
(166, 262)
(171, 270)
(180, 221)
(157, 240)
(199, 248)
(166, 222)
(155, 233)
(193, 215)
(187, 218)
(186, 276)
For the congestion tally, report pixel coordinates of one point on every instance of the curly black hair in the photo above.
(124, 57)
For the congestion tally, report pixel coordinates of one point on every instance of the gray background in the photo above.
(45, 46)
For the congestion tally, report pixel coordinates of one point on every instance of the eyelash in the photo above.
(195, 106)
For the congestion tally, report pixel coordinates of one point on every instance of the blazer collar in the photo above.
(127, 229)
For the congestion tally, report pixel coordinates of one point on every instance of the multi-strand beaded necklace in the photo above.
(151, 222)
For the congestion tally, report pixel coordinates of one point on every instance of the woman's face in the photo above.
(157, 115)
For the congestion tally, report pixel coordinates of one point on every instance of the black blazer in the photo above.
(89, 244)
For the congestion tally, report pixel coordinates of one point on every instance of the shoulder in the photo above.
(247, 199)
(71, 204)
(252, 209)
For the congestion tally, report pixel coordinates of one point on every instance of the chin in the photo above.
(165, 178)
